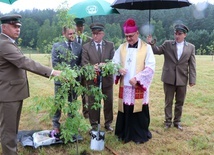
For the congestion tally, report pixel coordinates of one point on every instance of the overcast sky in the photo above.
(52, 4)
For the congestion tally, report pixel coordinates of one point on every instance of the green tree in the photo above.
(46, 34)
(29, 32)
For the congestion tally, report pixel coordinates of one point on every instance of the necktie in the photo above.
(78, 40)
(99, 50)
(69, 45)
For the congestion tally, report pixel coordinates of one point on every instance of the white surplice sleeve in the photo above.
(144, 78)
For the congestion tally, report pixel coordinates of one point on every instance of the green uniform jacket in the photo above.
(13, 66)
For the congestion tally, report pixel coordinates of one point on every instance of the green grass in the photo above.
(198, 115)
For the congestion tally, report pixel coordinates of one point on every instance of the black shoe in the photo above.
(109, 128)
(167, 126)
(178, 126)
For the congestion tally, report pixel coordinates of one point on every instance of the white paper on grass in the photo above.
(42, 138)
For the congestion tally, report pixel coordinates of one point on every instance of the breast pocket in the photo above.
(17, 82)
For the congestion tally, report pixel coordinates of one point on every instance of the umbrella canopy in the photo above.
(8, 1)
(91, 8)
(149, 4)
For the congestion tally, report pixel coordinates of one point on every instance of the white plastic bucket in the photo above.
(97, 140)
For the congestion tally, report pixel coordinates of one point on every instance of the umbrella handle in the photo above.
(153, 42)
(92, 20)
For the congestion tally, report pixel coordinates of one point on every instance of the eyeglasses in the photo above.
(98, 33)
(130, 36)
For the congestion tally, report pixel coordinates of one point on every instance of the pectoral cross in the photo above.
(129, 61)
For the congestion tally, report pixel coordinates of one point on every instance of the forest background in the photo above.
(40, 27)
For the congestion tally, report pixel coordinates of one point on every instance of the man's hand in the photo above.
(96, 67)
(122, 71)
(133, 81)
(149, 39)
(56, 73)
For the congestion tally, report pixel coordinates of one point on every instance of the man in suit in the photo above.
(64, 52)
(13, 81)
(179, 69)
(79, 29)
(79, 39)
(95, 53)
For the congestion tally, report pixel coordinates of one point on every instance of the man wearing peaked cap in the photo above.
(181, 28)
(96, 52)
(11, 19)
(137, 69)
(179, 70)
(97, 27)
(81, 38)
(79, 29)
(79, 21)
(14, 86)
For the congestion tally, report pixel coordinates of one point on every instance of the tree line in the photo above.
(40, 27)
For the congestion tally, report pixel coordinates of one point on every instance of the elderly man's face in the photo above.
(12, 30)
(97, 36)
(132, 38)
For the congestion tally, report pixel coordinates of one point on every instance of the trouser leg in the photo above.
(84, 100)
(179, 102)
(10, 113)
(85, 105)
(108, 105)
(57, 114)
(169, 91)
(93, 114)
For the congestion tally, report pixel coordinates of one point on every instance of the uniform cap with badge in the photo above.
(11, 19)
(79, 21)
(181, 28)
(97, 27)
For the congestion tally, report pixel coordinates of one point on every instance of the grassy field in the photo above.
(197, 138)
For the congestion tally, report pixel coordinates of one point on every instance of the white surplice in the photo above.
(144, 77)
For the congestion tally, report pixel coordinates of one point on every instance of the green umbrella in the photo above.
(8, 1)
(91, 8)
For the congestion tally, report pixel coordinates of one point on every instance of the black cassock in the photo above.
(133, 126)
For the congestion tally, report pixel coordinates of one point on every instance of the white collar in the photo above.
(180, 44)
(98, 43)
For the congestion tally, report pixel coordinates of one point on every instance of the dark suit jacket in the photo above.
(91, 56)
(177, 71)
(13, 77)
(59, 54)
(84, 41)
